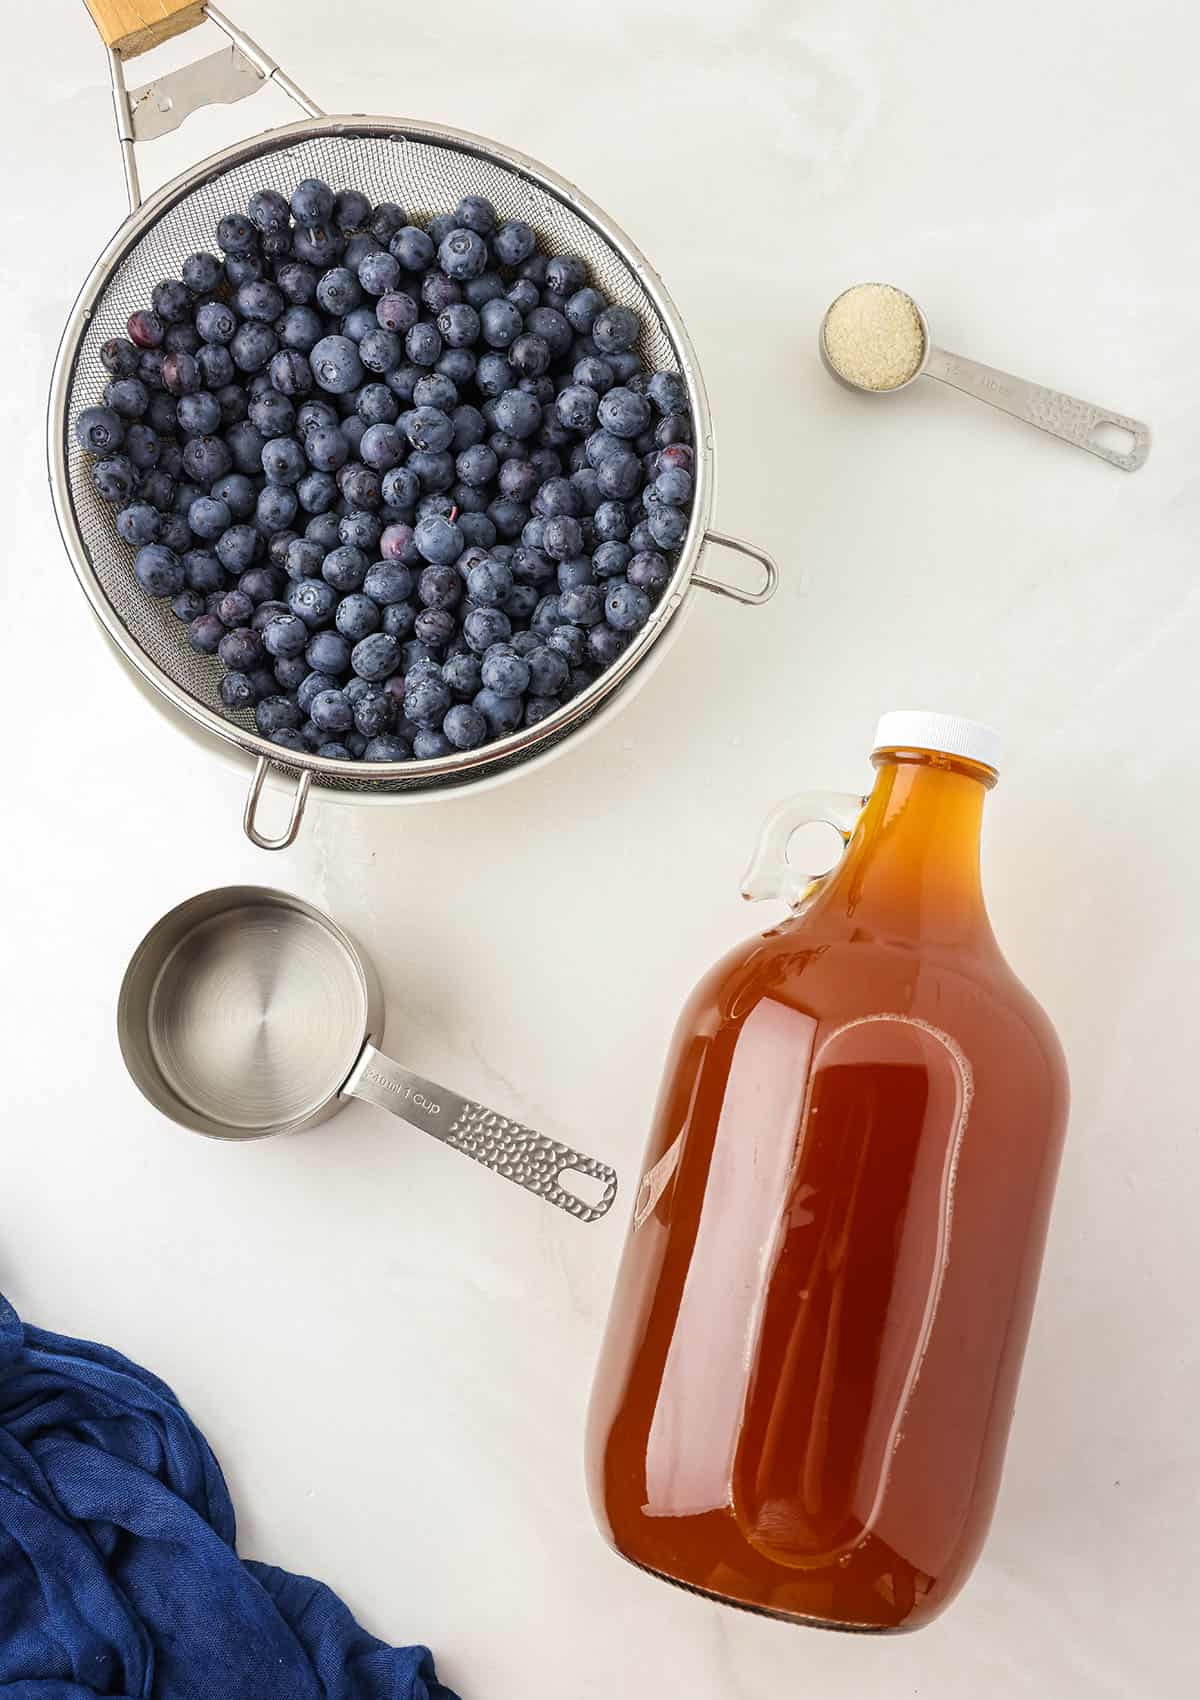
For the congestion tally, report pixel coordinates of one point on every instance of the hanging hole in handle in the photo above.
(1114, 439)
(596, 1191)
(736, 592)
(249, 824)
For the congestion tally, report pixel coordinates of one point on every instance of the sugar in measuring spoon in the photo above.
(876, 339)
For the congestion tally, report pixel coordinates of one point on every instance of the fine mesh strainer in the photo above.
(426, 169)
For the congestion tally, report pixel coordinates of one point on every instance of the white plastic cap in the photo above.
(917, 729)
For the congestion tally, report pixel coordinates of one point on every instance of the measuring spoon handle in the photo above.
(1062, 415)
(509, 1148)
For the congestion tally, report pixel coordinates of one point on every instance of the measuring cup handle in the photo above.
(510, 1149)
(1050, 410)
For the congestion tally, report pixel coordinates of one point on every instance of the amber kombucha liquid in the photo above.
(810, 1365)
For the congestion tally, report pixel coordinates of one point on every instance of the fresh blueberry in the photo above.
(570, 642)
(399, 620)
(312, 600)
(396, 311)
(336, 365)
(615, 330)
(119, 356)
(297, 282)
(489, 583)
(285, 635)
(626, 608)
(530, 355)
(375, 657)
(330, 712)
(283, 460)
(430, 743)
(435, 627)
(503, 714)
(475, 212)
(237, 691)
(276, 714)
(387, 582)
(439, 542)
(138, 524)
(583, 606)
(462, 673)
(504, 671)
(423, 344)
(574, 572)
(357, 617)
(291, 373)
(345, 568)
(312, 202)
(517, 413)
(605, 644)
(385, 221)
(328, 652)
(99, 430)
(158, 570)
(387, 748)
(458, 325)
(374, 711)
(483, 627)
(463, 254)
(262, 584)
(668, 526)
(241, 650)
(465, 726)
(610, 559)
(188, 606)
(208, 517)
(146, 330)
(380, 351)
(114, 478)
(412, 248)
(531, 565)
(513, 242)
(236, 609)
(619, 475)
(253, 346)
(217, 370)
(624, 412)
(523, 294)
(205, 634)
(562, 537)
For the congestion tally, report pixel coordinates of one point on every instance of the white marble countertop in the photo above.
(391, 1352)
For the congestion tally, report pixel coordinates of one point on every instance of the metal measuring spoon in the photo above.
(247, 1012)
(875, 338)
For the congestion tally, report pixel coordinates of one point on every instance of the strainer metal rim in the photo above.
(463, 766)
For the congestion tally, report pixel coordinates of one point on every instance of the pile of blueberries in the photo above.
(412, 486)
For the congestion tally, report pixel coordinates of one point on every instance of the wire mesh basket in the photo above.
(426, 169)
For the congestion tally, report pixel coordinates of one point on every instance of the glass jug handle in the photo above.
(770, 874)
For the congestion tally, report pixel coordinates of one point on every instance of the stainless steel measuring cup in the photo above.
(1115, 437)
(246, 1012)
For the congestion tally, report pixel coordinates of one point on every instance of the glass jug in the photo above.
(812, 1355)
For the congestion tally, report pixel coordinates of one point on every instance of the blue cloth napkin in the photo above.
(118, 1574)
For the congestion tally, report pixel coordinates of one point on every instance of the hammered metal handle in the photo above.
(510, 1149)
(1063, 416)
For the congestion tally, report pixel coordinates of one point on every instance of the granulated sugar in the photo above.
(873, 336)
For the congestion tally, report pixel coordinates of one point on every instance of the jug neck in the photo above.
(911, 871)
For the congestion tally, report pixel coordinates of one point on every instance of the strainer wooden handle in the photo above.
(131, 27)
